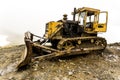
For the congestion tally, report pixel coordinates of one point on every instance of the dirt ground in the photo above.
(93, 66)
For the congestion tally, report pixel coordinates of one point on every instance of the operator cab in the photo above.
(90, 19)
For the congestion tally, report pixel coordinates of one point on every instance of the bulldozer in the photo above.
(67, 37)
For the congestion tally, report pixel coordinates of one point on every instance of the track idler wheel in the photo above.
(101, 42)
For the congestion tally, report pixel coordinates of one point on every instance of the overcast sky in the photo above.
(19, 16)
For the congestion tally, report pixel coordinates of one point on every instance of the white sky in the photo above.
(19, 16)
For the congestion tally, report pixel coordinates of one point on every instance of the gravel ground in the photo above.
(93, 66)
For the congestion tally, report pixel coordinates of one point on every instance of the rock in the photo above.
(56, 78)
(61, 60)
(70, 73)
(65, 78)
(72, 63)
(112, 58)
(8, 69)
(87, 72)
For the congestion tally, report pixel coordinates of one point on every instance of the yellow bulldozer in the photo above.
(68, 37)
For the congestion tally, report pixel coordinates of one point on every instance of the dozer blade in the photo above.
(26, 57)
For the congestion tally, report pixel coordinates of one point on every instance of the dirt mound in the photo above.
(93, 66)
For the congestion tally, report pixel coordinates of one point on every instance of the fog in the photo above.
(19, 16)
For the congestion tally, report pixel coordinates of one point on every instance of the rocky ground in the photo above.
(93, 66)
